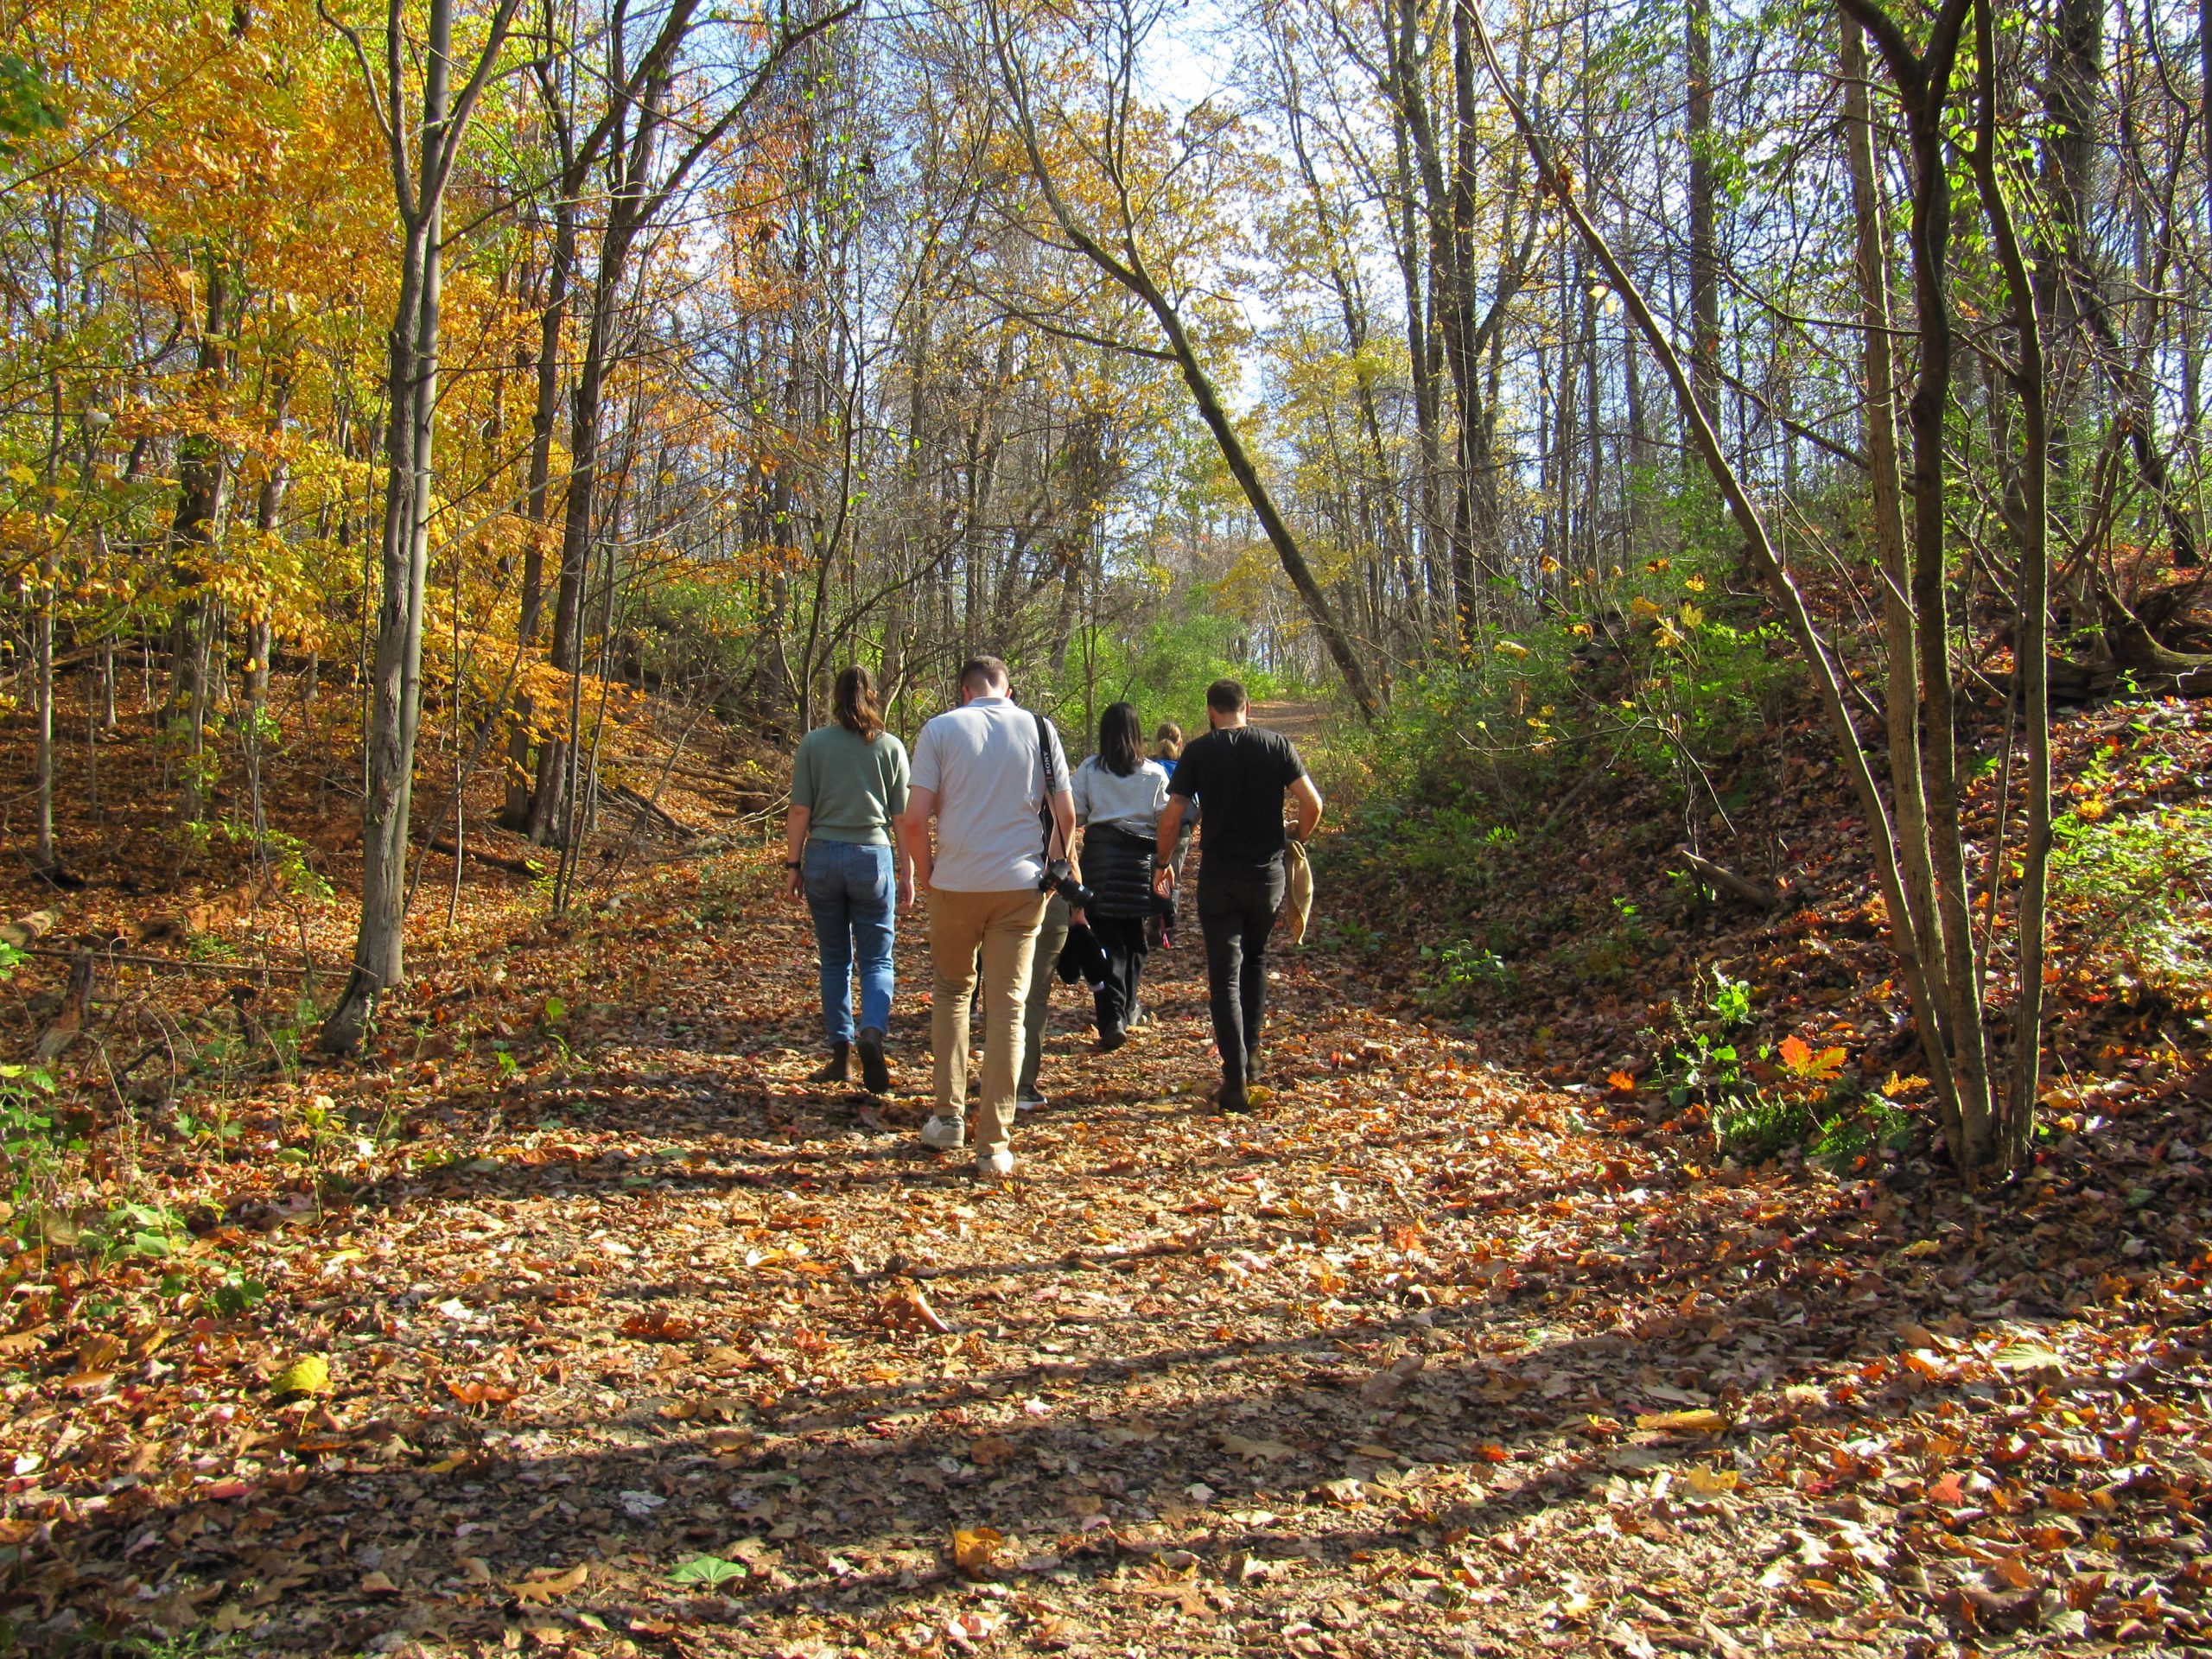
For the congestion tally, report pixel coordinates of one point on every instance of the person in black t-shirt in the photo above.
(1240, 774)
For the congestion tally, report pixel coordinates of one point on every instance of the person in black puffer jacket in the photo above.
(1118, 797)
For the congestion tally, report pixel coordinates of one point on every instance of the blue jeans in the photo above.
(850, 892)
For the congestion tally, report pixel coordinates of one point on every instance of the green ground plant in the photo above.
(1764, 1100)
(2135, 888)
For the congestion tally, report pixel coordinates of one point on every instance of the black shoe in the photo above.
(1233, 1099)
(1139, 1015)
(875, 1076)
(1251, 1067)
(1111, 1039)
(838, 1068)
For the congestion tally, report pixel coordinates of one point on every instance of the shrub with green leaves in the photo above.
(1669, 667)
(2133, 887)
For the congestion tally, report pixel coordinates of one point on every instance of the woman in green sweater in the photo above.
(842, 851)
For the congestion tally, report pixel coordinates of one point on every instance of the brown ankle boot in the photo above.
(838, 1068)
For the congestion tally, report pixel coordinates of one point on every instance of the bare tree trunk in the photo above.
(43, 860)
(2030, 599)
(1954, 1037)
(202, 476)
(261, 643)
(1125, 265)
(395, 689)
(518, 812)
(1705, 258)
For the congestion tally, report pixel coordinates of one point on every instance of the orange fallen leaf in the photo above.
(544, 1584)
(474, 1393)
(974, 1548)
(1700, 1421)
(906, 1310)
(659, 1326)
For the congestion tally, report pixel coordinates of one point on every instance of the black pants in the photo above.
(1123, 937)
(1237, 912)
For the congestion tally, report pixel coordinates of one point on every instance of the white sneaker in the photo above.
(945, 1134)
(997, 1165)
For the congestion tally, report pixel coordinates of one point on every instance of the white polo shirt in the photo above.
(982, 763)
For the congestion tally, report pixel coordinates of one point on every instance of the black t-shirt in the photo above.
(1239, 774)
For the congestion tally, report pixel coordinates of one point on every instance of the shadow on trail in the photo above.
(848, 1509)
(840, 1500)
(830, 1457)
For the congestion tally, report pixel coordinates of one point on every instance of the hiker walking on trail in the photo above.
(1052, 938)
(1167, 749)
(1119, 795)
(1241, 775)
(1167, 746)
(995, 778)
(844, 852)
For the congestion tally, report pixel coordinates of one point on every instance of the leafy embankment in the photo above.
(1582, 946)
(629, 1341)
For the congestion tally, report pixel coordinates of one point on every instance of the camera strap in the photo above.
(1045, 812)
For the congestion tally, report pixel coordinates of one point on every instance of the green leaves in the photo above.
(711, 1571)
(26, 105)
(235, 1292)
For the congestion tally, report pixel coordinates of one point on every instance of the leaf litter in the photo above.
(639, 1343)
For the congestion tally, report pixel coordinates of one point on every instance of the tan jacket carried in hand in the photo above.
(1296, 892)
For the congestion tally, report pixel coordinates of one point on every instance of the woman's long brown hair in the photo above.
(854, 705)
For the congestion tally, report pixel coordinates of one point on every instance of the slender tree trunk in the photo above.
(1406, 245)
(517, 813)
(1900, 627)
(202, 476)
(260, 642)
(2031, 603)
(1638, 479)
(1216, 416)
(1705, 259)
(43, 859)
(2204, 100)
(394, 687)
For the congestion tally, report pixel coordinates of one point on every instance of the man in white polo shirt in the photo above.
(987, 772)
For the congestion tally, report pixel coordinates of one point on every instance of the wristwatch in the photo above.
(794, 863)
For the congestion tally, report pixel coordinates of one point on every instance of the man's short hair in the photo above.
(979, 674)
(1226, 696)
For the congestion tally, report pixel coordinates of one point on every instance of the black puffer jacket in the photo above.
(1118, 866)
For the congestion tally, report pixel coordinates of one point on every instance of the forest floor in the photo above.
(580, 1321)
(576, 1320)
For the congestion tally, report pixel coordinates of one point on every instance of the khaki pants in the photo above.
(1050, 938)
(1003, 927)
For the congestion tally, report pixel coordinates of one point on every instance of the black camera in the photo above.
(1056, 879)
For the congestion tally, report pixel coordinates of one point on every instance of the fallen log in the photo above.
(650, 812)
(484, 856)
(701, 774)
(179, 965)
(28, 930)
(2096, 681)
(1729, 882)
(76, 1006)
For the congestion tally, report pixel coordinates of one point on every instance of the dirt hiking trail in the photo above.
(642, 1345)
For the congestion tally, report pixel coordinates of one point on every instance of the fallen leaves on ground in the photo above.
(644, 1343)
